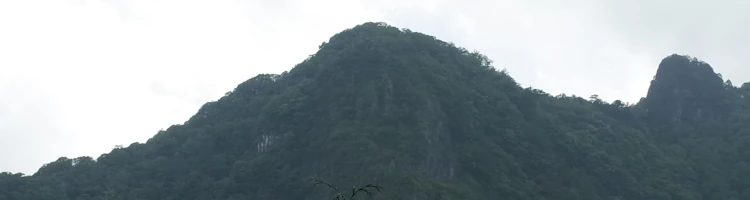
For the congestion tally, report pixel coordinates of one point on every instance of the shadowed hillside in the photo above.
(426, 120)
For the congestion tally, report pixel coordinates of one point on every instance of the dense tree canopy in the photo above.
(426, 120)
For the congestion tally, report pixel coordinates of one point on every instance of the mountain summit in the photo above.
(426, 120)
(686, 89)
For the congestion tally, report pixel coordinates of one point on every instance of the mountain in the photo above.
(686, 89)
(426, 120)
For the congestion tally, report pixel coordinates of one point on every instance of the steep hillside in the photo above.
(687, 90)
(426, 120)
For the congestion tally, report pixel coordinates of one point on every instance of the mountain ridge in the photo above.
(426, 120)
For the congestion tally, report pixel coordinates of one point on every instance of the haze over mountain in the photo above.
(148, 56)
(427, 120)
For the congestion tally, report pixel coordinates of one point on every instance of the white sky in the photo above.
(78, 77)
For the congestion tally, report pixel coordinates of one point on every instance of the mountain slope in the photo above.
(426, 120)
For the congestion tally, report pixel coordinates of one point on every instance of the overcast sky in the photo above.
(78, 77)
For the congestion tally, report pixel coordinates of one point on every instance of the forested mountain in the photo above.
(426, 120)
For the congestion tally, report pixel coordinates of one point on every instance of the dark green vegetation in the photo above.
(368, 189)
(426, 120)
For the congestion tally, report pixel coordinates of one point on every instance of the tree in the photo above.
(368, 189)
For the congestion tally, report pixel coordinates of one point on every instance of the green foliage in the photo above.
(368, 189)
(429, 120)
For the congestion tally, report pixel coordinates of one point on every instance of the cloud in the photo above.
(81, 76)
(584, 47)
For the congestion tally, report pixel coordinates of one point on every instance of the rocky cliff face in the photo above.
(686, 90)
